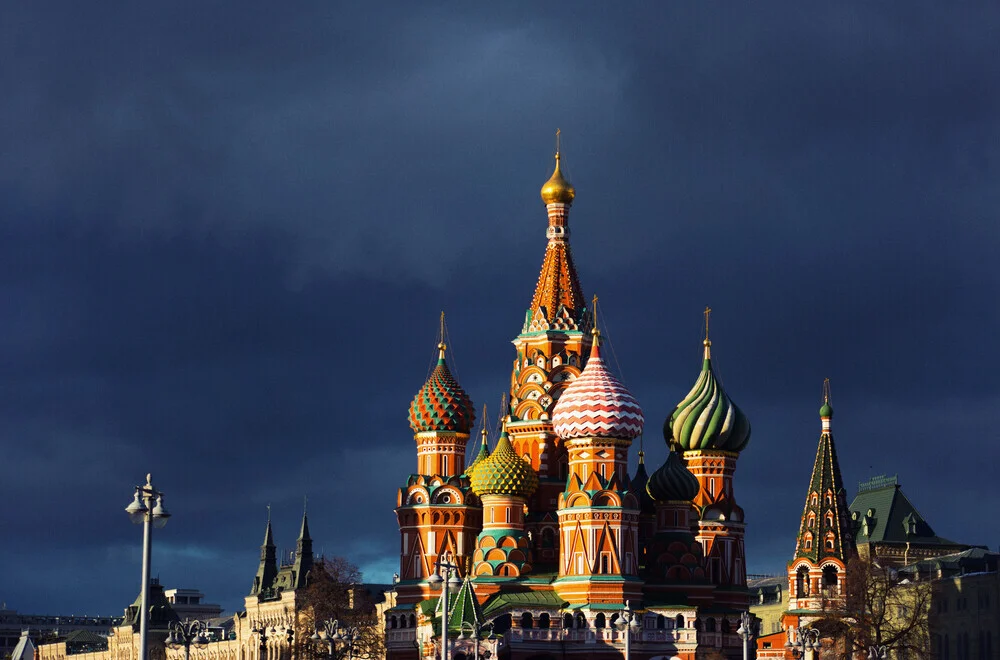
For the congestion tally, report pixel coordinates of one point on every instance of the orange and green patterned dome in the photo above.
(504, 472)
(442, 404)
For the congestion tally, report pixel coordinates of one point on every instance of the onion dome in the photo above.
(672, 481)
(638, 485)
(596, 404)
(441, 404)
(557, 190)
(484, 451)
(707, 418)
(504, 472)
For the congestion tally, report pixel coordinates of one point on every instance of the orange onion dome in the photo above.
(442, 404)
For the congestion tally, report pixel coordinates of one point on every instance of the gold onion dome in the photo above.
(484, 451)
(504, 472)
(557, 190)
(441, 404)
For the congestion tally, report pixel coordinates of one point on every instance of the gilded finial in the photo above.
(268, 514)
(826, 390)
(826, 410)
(707, 342)
(557, 190)
(483, 432)
(441, 345)
(595, 331)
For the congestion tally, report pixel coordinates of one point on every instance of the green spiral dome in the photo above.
(707, 418)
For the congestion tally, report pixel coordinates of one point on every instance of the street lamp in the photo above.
(476, 636)
(146, 509)
(801, 640)
(879, 652)
(187, 633)
(746, 632)
(331, 633)
(450, 585)
(263, 634)
(628, 623)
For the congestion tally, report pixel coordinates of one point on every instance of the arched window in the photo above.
(599, 620)
(830, 577)
(393, 622)
(829, 520)
(413, 621)
(812, 521)
(808, 541)
(710, 624)
(543, 621)
(725, 626)
(527, 621)
(697, 625)
(581, 621)
(661, 622)
(402, 621)
(567, 621)
(802, 582)
(680, 620)
(813, 499)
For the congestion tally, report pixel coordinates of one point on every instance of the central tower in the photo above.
(551, 351)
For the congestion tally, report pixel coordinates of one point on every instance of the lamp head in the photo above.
(160, 513)
(454, 584)
(137, 509)
(435, 579)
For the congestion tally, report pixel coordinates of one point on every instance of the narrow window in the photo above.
(444, 465)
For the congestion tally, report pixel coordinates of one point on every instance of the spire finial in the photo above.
(268, 514)
(594, 330)
(826, 410)
(557, 190)
(441, 345)
(826, 390)
(484, 432)
(558, 135)
(707, 342)
(305, 504)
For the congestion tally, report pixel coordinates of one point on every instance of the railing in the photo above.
(404, 636)
(609, 636)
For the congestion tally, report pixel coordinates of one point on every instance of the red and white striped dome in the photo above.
(596, 404)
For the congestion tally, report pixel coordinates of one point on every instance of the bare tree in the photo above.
(884, 608)
(334, 592)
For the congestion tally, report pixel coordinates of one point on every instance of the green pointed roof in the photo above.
(881, 513)
(504, 472)
(441, 404)
(463, 608)
(707, 418)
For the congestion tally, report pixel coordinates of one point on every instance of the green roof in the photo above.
(504, 601)
(881, 513)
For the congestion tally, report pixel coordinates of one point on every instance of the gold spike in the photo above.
(558, 133)
(441, 345)
(708, 314)
(707, 342)
(484, 432)
(826, 390)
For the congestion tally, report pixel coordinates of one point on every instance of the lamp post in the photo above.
(476, 636)
(263, 634)
(628, 623)
(187, 633)
(332, 633)
(745, 631)
(878, 652)
(146, 509)
(449, 583)
(801, 640)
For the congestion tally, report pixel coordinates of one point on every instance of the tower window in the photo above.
(814, 499)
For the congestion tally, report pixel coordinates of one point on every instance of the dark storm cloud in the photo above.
(227, 236)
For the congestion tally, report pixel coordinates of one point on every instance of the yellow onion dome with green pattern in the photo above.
(484, 453)
(504, 472)
(707, 418)
(441, 404)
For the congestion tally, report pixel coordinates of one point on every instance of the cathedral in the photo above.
(553, 548)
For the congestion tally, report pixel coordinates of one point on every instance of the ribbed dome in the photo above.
(672, 481)
(596, 404)
(557, 189)
(504, 472)
(707, 418)
(441, 404)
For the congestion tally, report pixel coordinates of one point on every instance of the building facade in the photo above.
(550, 533)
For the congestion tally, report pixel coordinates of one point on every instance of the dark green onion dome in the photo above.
(826, 410)
(707, 418)
(504, 472)
(673, 482)
(638, 485)
(484, 453)
(441, 404)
